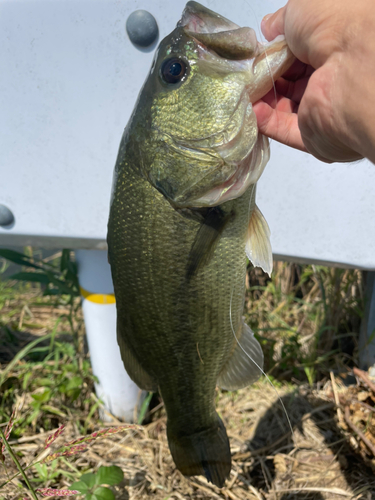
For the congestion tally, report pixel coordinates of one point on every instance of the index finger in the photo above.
(279, 125)
(272, 25)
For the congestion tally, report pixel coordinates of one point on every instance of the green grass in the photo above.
(51, 372)
(307, 318)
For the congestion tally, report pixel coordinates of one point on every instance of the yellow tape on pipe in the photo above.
(98, 298)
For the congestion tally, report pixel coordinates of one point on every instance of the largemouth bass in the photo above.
(182, 220)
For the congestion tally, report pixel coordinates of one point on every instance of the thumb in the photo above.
(273, 24)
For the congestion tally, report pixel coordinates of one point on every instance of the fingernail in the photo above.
(266, 17)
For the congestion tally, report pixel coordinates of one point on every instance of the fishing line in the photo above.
(259, 368)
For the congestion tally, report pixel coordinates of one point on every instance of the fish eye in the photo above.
(173, 70)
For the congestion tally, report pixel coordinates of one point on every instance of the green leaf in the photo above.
(74, 383)
(66, 264)
(42, 397)
(73, 394)
(51, 291)
(72, 387)
(80, 486)
(103, 493)
(62, 388)
(44, 382)
(88, 479)
(144, 407)
(34, 415)
(42, 471)
(18, 258)
(65, 260)
(64, 288)
(53, 410)
(109, 475)
(30, 276)
(22, 353)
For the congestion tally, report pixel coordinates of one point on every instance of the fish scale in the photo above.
(169, 352)
(168, 114)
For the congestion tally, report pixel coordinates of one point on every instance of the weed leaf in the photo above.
(30, 276)
(21, 354)
(81, 486)
(103, 493)
(18, 258)
(88, 479)
(144, 407)
(109, 475)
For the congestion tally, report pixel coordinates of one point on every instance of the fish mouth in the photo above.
(218, 33)
(200, 19)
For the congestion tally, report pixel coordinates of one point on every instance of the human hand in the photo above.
(314, 107)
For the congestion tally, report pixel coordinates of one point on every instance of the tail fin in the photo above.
(205, 453)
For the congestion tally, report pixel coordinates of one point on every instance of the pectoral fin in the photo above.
(245, 364)
(135, 371)
(258, 246)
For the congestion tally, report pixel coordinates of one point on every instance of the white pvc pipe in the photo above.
(118, 392)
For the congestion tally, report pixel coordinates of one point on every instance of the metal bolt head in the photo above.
(142, 28)
(6, 216)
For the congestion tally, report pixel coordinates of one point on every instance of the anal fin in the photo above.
(245, 364)
(258, 245)
(135, 371)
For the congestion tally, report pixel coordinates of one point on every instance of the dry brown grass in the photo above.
(322, 460)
